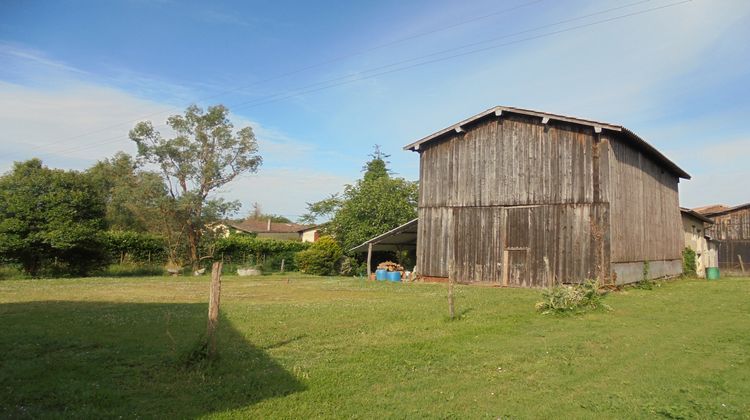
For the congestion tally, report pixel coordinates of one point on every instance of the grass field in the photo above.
(337, 347)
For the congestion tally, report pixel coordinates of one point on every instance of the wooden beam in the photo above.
(459, 130)
(369, 260)
(597, 129)
(498, 112)
(545, 120)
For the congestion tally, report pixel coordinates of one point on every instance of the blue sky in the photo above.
(321, 82)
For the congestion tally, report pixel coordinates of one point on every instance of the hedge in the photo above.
(244, 248)
(128, 246)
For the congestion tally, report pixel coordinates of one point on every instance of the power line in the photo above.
(309, 67)
(347, 79)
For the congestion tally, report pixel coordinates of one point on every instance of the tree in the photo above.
(132, 197)
(205, 154)
(51, 215)
(374, 204)
(257, 214)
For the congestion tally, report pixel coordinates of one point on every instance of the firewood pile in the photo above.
(390, 266)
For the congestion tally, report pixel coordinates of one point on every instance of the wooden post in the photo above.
(369, 260)
(213, 308)
(505, 268)
(282, 265)
(742, 265)
(451, 308)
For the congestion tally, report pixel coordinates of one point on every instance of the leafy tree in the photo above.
(373, 205)
(205, 154)
(132, 197)
(50, 218)
(257, 214)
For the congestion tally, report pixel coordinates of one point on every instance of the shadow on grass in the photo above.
(101, 359)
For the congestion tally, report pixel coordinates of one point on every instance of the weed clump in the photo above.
(571, 299)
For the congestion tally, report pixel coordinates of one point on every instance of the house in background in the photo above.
(731, 231)
(694, 227)
(271, 230)
(310, 233)
(516, 197)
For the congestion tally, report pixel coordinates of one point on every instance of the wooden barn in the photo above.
(731, 231)
(517, 197)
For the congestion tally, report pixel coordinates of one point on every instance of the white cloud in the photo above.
(283, 191)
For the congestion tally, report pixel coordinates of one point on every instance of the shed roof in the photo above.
(547, 117)
(402, 237)
(696, 215)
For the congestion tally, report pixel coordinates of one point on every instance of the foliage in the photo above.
(689, 265)
(257, 214)
(129, 246)
(205, 154)
(133, 197)
(266, 253)
(646, 283)
(321, 259)
(572, 298)
(51, 220)
(351, 267)
(373, 205)
(130, 269)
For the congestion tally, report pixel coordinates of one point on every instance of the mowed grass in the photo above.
(339, 347)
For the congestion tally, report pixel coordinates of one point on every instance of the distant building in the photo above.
(272, 230)
(731, 231)
(696, 238)
(310, 233)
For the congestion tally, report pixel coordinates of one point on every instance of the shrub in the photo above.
(321, 259)
(572, 298)
(135, 247)
(689, 266)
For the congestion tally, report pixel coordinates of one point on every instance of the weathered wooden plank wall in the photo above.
(644, 205)
(732, 232)
(514, 185)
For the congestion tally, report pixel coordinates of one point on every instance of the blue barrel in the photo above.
(394, 276)
(381, 274)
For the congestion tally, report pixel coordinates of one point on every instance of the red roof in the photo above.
(258, 226)
(712, 208)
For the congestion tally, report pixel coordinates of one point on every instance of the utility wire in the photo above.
(348, 79)
(306, 68)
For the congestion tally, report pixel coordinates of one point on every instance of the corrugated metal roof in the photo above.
(402, 236)
(546, 117)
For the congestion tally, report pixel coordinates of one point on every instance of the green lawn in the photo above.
(337, 347)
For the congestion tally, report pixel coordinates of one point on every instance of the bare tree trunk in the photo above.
(193, 245)
(213, 308)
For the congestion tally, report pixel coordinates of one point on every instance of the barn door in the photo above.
(516, 249)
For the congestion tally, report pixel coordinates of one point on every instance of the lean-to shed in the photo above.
(517, 197)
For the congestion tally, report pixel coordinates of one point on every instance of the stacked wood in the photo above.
(390, 266)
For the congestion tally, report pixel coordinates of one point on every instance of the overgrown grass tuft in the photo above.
(132, 270)
(567, 299)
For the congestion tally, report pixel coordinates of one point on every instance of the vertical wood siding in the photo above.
(732, 232)
(512, 199)
(644, 203)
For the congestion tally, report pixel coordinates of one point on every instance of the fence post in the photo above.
(369, 260)
(742, 265)
(213, 308)
(282, 265)
(451, 308)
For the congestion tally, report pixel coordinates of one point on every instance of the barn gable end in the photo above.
(521, 199)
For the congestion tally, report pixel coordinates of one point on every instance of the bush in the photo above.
(689, 266)
(135, 247)
(572, 298)
(321, 259)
